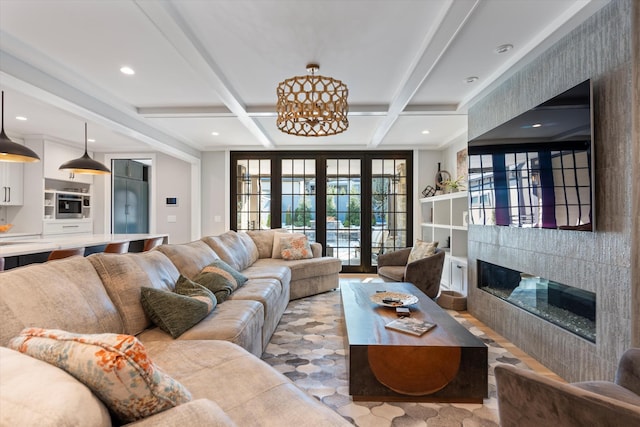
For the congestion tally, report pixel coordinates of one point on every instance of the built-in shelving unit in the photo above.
(82, 223)
(444, 219)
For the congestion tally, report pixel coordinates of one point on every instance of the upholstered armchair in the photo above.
(424, 273)
(526, 399)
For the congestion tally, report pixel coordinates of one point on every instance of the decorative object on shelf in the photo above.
(85, 164)
(12, 151)
(453, 185)
(462, 164)
(312, 105)
(428, 191)
(441, 176)
(5, 227)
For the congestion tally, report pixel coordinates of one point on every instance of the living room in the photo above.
(603, 48)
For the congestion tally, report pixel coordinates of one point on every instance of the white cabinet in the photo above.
(444, 219)
(11, 184)
(56, 154)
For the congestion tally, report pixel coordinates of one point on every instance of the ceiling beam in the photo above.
(453, 17)
(170, 23)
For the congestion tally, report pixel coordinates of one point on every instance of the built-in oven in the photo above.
(68, 206)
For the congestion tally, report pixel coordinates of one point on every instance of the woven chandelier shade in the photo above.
(312, 105)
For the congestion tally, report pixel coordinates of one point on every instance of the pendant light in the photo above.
(85, 164)
(11, 151)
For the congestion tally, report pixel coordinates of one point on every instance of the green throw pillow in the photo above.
(220, 278)
(176, 312)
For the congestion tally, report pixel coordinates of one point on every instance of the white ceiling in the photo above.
(213, 66)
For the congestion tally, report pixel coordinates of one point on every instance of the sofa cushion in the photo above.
(175, 312)
(421, 249)
(263, 240)
(238, 321)
(236, 249)
(115, 367)
(123, 275)
(189, 258)
(72, 292)
(35, 393)
(246, 388)
(199, 412)
(295, 248)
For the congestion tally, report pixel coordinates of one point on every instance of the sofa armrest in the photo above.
(628, 373)
(201, 412)
(316, 248)
(526, 399)
(398, 257)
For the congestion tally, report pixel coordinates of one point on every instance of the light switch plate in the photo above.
(171, 218)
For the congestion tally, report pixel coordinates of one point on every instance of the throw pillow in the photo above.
(176, 312)
(421, 250)
(218, 278)
(219, 266)
(296, 248)
(115, 367)
(277, 242)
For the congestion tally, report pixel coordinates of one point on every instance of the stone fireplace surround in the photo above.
(601, 261)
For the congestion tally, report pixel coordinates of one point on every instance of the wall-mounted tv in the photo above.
(537, 170)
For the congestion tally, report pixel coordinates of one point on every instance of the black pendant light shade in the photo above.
(11, 151)
(85, 164)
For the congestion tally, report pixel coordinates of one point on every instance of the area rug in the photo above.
(308, 347)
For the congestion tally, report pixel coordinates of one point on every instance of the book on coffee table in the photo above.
(410, 325)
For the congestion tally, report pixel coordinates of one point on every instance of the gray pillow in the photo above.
(176, 312)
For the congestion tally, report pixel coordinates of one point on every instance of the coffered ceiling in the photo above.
(205, 67)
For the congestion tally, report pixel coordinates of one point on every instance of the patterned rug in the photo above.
(308, 348)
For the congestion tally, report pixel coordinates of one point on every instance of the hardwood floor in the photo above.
(532, 363)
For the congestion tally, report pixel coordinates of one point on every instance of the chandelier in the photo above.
(312, 105)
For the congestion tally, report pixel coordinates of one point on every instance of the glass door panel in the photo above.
(343, 208)
(253, 194)
(299, 196)
(389, 219)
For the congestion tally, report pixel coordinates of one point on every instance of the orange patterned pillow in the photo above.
(295, 248)
(115, 367)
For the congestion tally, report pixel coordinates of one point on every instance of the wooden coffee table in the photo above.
(446, 364)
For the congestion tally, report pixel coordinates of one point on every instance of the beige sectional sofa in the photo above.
(216, 360)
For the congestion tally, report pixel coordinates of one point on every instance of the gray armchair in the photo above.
(526, 399)
(424, 273)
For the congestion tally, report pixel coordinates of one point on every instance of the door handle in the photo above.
(9, 195)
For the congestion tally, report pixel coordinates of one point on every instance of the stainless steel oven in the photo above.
(68, 206)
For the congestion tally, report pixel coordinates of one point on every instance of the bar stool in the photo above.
(152, 243)
(117, 248)
(65, 253)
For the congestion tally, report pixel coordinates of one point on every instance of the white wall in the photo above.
(173, 179)
(215, 192)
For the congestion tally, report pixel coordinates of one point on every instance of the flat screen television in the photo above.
(536, 170)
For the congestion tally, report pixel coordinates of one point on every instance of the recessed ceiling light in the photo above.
(471, 79)
(503, 48)
(426, 132)
(536, 125)
(91, 140)
(21, 118)
(215, 133)
(127, 70)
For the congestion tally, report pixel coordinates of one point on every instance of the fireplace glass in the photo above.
(568, 307)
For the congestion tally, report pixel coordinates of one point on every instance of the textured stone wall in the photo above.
(601, 50)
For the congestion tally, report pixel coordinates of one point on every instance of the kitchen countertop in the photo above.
(12, 245)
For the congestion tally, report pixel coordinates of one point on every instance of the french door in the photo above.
(355, 204)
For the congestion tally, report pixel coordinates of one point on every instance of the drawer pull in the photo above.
(70, 226)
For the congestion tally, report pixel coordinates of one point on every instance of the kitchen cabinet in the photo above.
(11, 184)
(68, 226)
(56, 154)
(444, 219)
(128, 169)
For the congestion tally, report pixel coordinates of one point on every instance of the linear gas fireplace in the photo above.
(570, 308)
